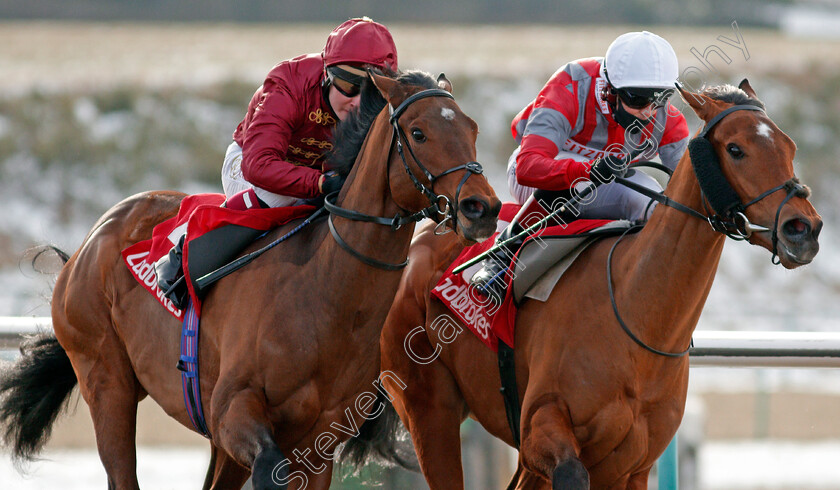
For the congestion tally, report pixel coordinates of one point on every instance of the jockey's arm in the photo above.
(674, 139)
(536, 166)
(264, 149)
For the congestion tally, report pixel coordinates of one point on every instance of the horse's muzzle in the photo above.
(478, 217)
(798, 240)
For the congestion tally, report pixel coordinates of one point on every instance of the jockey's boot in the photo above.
(492, 278)
(170, 276)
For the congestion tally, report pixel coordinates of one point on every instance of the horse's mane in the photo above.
(349, 134)
(731, 94)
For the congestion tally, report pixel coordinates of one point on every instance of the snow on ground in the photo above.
(161, 469)
(769, 465)
(742, 465)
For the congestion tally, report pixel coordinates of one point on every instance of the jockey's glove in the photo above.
(332, 182)
(607, 168)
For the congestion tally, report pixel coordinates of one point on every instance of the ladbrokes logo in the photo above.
(457, 297)
(145, 274)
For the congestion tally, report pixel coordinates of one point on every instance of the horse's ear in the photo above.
(747, 88)
(444, 83)
(384, 84)
(700, 104)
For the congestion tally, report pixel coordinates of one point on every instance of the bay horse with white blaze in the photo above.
(288, 343)
(598, 409)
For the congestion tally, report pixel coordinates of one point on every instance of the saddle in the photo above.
(541, 263)
(214, 236)
(538, 266)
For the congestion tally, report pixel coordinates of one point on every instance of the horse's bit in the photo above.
(435, 200)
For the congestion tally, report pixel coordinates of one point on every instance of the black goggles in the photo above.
(639, 98)
(348, 84)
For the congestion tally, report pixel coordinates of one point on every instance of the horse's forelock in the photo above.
(419, 78)
(731, 94)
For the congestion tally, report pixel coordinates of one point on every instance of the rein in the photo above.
(621, 322)
(449, 212)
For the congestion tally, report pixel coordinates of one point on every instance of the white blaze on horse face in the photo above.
(764, 130)
(447, 113)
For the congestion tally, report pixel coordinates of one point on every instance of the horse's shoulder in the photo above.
(429, 257)
(435, 251)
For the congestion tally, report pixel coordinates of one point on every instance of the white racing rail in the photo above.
(711, 348)
(765, 349)
(13, 328)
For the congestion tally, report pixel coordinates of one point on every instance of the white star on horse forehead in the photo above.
(447, 113)
(764, 130)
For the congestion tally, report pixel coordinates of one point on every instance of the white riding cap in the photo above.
(641, 59)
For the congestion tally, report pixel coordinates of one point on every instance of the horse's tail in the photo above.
(34, 389)
(43, 251)
(383, 440)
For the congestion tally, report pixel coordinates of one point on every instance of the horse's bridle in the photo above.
(728, 215)
(449, 212)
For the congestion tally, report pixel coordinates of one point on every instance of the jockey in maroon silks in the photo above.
(591, 119)
(278, 149)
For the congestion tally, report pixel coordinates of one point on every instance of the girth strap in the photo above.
(188, 365)
(510, 393)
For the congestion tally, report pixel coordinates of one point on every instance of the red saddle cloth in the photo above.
(198, 214)
(486, 319)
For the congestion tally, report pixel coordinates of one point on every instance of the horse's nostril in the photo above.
(473, 208)
(796, 229)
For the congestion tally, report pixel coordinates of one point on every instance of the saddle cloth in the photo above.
(537, 267)
(198, 216)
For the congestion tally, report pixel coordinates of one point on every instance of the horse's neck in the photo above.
(668, 270)
(368, 192)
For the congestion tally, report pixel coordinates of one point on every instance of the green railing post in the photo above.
(667, 468)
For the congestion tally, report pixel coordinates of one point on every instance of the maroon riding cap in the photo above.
(361, 41)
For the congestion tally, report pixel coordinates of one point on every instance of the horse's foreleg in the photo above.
(549, 448)
(223, 471)
(639, 481)
(430, 405)
(434, 419)
(525, 480)
(242, 429)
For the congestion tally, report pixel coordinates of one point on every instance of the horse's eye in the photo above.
(735, 151)
(418, 135)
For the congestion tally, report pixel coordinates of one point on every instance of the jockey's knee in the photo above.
(638, 207)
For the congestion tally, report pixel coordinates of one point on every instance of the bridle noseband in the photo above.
(439, 205)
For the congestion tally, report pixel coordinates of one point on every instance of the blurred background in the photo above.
(100, 99)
